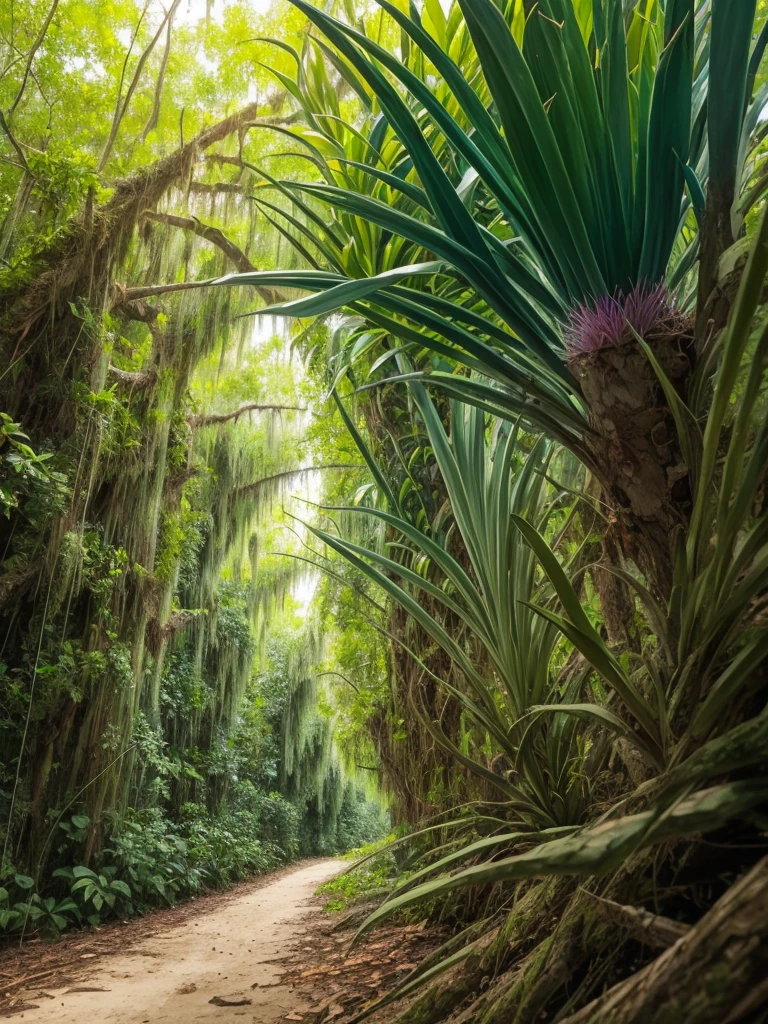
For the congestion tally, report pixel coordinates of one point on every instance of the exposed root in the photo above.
(713, 974)
(649, 929)
(533, 984)
(490, 958)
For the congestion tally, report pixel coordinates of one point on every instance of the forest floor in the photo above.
(261, 953)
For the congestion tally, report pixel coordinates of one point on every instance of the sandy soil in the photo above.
(232, 955)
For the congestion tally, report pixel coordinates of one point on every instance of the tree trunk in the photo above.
(715, 974)
(644, 478)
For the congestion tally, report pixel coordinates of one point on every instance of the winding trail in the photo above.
(231, 954)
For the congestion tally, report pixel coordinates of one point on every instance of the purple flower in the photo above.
(590, 328)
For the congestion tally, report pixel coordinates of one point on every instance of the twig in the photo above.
(154, 116)
(122, 106)
(35, 47)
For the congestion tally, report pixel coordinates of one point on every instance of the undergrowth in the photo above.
(359, 884)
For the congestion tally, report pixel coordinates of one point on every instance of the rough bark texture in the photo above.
(644, 478)
(716, 237)
(649, 929)
(715, 974)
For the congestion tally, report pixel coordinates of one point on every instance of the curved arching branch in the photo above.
(216, 237)
(213, 418)
(211, 234)
(85, 256)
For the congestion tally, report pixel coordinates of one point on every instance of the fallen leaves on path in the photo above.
(340, 981)
(60, 963)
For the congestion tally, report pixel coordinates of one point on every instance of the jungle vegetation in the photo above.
(165, 727)
(485, 278)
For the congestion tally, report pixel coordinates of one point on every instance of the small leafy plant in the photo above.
(365, 882)
(99, 893)
(21, 909)
(21, 467)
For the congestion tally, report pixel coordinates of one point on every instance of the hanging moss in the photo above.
(332, 799)
(135, 601)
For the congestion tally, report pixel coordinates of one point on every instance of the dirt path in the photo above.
(232, 954)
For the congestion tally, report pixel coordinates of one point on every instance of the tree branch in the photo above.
(135, 309)
(150, 290)
(209, 233)
(122, 106)
(224, 187)
(83, 260)
(223, 158)
(274, 119)
(134, 378)
(220, 240)
(154, 116)
(355, 687)
(256, 486)
(209, 419)
(35, 47)
(13, 141)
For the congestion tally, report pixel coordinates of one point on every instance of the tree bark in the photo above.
(715, 974)
(652, 930)
(644, 478)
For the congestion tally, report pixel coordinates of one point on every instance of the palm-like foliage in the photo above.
(580, 164)
(488, 582)
(573, 170)
(707, 667)
(557, 177)
(599, 153)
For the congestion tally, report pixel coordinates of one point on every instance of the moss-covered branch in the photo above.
(213, 418)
